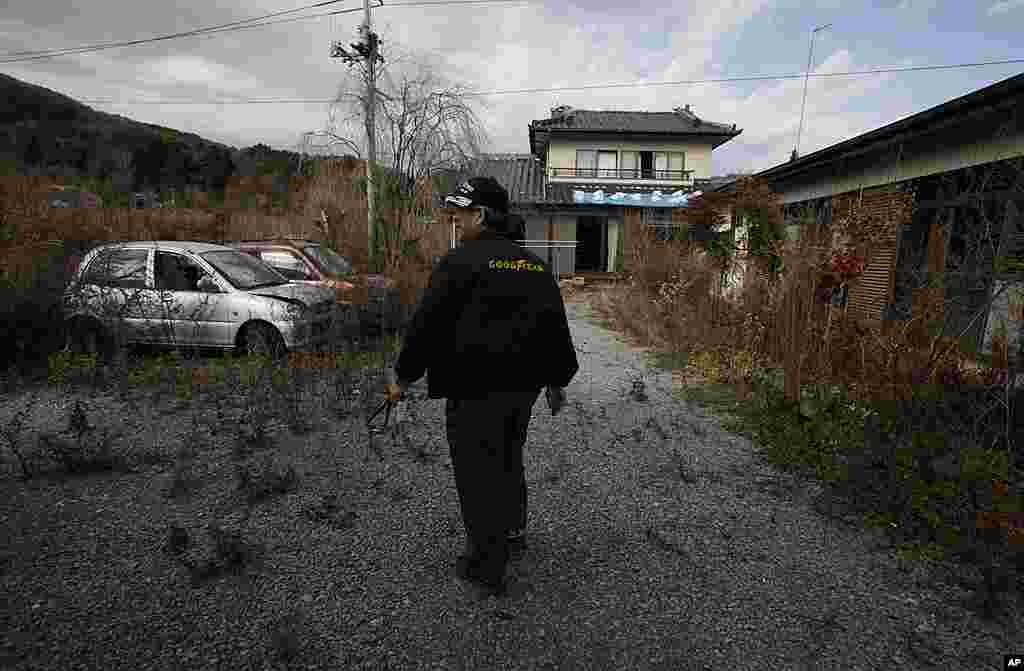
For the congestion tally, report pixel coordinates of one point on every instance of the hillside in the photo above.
(43, 132)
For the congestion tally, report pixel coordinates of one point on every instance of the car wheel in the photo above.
(263, 340)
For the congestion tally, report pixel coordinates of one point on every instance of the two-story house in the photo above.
(594, 177)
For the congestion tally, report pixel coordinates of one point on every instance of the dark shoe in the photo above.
(467, 570)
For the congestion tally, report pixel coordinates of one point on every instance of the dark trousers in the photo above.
(486, 437)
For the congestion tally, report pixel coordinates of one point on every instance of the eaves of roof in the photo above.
(680, 123)
(1003, 92)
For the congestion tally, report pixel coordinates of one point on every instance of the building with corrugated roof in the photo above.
(947, 183)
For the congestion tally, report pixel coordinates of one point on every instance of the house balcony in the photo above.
(638, 177)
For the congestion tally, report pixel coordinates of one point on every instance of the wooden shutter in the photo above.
(873, 290)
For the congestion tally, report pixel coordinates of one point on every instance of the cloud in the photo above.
(483, 47)
(1004, 6)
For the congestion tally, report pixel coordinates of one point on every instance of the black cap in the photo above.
(480, 192)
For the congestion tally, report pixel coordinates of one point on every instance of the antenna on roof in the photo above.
(810, 57)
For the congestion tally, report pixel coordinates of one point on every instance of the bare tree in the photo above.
(427, 123)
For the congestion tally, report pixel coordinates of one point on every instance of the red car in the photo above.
(375, 296)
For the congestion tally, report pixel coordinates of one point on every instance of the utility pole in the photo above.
(366, 50)
(810, 56)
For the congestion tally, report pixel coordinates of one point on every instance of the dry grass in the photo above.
(801, 377)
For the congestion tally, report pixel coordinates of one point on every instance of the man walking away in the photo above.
(490, 332)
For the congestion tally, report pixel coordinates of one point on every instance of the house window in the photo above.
(586, 163)
(659, 221)
(668, 165)
(608, 163)
(630, 164)
(676, 164)
(823, 212)
(660, 164)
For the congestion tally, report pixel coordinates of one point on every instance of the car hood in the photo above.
(309, 295)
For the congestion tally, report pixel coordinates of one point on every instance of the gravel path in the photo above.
(657, 541)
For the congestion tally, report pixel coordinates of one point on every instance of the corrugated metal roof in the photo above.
(522, 175)
(715, 183)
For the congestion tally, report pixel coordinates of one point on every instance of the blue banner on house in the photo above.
(635, 199)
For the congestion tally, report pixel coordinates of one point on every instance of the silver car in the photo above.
(191, 294)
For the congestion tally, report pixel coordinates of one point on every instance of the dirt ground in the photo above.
(246, 525)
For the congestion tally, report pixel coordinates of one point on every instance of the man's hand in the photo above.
(393, 387)
(393, 392)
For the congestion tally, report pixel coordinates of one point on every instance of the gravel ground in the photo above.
(657, 541)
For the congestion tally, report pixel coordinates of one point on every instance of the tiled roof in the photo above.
(681, 121)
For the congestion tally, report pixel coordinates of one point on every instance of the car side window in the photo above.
(176, 272)
(288, 264)
(121, 268)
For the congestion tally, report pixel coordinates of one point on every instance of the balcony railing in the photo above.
(623, 173)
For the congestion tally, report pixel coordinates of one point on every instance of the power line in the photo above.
(187, 33)
(23, 56)
(226, 27)
(683, 82)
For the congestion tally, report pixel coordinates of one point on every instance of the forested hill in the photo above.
(45, 132)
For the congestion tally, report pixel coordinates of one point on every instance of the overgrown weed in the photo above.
(892, 416)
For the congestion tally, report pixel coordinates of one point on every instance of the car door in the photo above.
(189, 316)
(113, 288)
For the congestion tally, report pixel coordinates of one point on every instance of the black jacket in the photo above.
(492, 319)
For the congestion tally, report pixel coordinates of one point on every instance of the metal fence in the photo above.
(552, 258)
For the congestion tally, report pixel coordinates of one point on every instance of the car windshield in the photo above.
(243, 271)
(329, 260)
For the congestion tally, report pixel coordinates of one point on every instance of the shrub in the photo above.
(87, 451)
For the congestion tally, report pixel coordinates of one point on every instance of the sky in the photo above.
(529, 45)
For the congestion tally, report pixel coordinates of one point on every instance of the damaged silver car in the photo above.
(193, 295)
